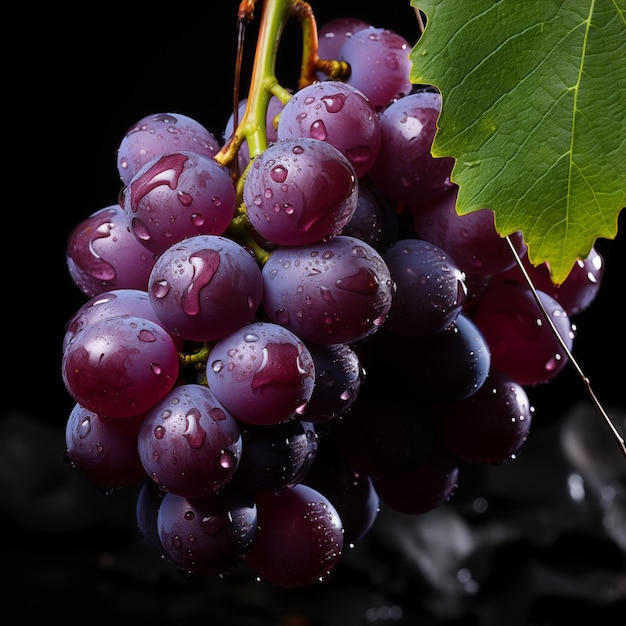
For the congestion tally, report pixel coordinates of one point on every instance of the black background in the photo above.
(76, 80)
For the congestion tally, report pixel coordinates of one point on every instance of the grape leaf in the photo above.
(534, 106)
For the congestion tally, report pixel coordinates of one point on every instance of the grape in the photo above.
(104, 449)
(300, 191)
(334, 33)
(337, 113)
(210, 535)
(205, 287)
(154, 135)
(379, 64)
(262, 373)
(405, 169)
(521, 342)
(367, 220)
(146, 511)
(178, 195)
(189, 444)
(490, 426)
(276, 455)
(299, 540)
(430, 288)
(102, 254)
(330, 292)
(120, 366)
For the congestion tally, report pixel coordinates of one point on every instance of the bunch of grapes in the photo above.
(277, 343)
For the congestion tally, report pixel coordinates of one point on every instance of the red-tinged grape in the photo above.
(114, 303)
(210, 535)
(178, 195)
(299, 540)
(405, 170)
(262, 373)
(300, 191)
(337, 113)
(102, 254)
(102, 448)
(471, 239)
(205, 287)
(189, 444)
(275, 456)
(521, 341)
(157, 134)
(489, 427)
(430, 288)
(379, 64)
(120, 366)
(329, 292)
(428, 486)
(576, 293)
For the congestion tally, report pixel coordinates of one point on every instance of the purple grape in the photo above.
(262, 373)
(299, 540)
(120, 366)
(178, 195)
(490, 426)
(210, 535)
(189, 444)
(104, 449)
(102, 254)
(521, 341)
(300, 191)
(430, 288)
(405, 170)
(205, 287)
(154, 135)
(337, 113)
(337, 291)
(334, 33)
(149, 501)
(379, 64)
(367, 221)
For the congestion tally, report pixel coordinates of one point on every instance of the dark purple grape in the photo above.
(178, 195)
(300, 191)
(210, 535)
(146, 511)
(188, 443)
(205, 287)
(157, 134)
(329, 292)
(490, 426)
(521, 341)
(299, 540)
(405, 169)
(334, 33)
(337, 113)
(102, 254)
(120, 366)
(275, 456)
(367, 222)
(430, 288)
(104, 449)
(262, 373)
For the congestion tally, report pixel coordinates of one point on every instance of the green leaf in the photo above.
(534, 112)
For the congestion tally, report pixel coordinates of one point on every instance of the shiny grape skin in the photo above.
(330, 292)
(262, 373)
(205, 287)
(104, 449)
(367, 222)
(489, 427)
(430, 288)
(210, 535)
(146, 511)
(120, 366)
(275, 456)
(300, 191)
(178, 195)
(299, 540)
(157, 134)
(405, 169)
(337, 113)
(521, 341)
(188, 443)
(334, 33)
(102, 254)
